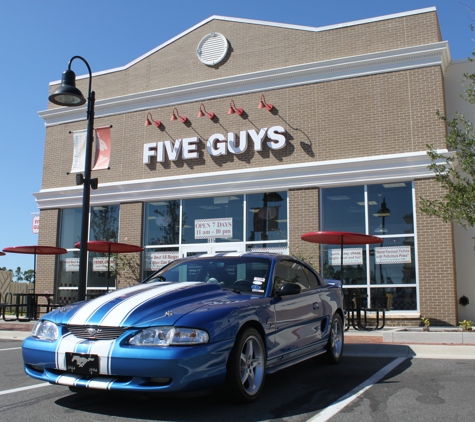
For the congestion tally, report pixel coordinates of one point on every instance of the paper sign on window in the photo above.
(213, 228)
(156, 260)
(392, 255)
(351, 256)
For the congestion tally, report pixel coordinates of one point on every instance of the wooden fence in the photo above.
(8, 286)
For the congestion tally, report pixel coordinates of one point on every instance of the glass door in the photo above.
(210, 248)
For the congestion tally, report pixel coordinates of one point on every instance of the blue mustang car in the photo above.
(198, 323)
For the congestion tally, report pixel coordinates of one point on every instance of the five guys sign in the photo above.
(217, 144)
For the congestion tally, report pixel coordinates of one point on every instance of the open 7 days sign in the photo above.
(216, 145)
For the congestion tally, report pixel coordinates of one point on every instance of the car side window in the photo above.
(312, 278)
(290, 272)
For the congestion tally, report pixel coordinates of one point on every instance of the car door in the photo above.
(298, 318)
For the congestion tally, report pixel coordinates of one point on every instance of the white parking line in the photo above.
(336, 407)
(30, 387)
(11, 348)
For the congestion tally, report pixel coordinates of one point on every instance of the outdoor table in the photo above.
(356, 314)
(29, 302)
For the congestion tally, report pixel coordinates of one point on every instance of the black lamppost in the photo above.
(68, 95)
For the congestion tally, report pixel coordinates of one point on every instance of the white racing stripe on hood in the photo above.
(118, 314)
(91, 307)
(68, 343)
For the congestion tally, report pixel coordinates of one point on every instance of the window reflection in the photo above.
(354, 273)
(394, 299)
(70, 227)
(393, 262)
(162, 223)
(386, 275)
(343, 209)
(390, 209)
(266, 216)
(218, 218)
(104, 223)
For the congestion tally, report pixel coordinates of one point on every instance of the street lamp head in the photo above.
(67, 94)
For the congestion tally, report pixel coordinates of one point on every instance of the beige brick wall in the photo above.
(259, 47)
(382, 114)
(304, 212)
(436, 264)
(130, 231)
(46, 264)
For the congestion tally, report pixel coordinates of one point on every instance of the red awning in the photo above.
(110, 247)
(337, 238)
(36, 250)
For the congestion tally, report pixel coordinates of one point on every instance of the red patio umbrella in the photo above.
(36, 250)
(109, 248)
(340, 238)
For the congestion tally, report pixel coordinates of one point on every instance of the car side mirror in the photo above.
(289, 289)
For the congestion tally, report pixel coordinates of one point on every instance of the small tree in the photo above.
(18, 275)
(455, 171)
(29, 276)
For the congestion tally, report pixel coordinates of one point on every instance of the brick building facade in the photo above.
(356, 106)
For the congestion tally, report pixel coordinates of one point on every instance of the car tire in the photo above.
(246, 368)
(336, 341)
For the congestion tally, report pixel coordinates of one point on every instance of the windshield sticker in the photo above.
(257, 282)
(256, 288)
(259, 279)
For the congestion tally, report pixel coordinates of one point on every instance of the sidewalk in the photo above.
(14, 330)
(372, 343)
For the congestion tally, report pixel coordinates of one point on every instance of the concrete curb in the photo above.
(14, 335)
(435, 336)
(432, 351)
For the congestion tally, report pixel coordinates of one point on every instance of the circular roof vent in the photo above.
(212, 49)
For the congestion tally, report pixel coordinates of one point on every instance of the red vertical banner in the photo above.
(103, 148)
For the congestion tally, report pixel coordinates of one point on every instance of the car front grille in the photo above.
(95, 332)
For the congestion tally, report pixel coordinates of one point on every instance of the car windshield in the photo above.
(244, 274)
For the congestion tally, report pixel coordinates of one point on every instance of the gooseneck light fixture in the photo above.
(203, 112)
(176, 115)
(235, 110)
(264, 104)
(69, 96)
(148, 122)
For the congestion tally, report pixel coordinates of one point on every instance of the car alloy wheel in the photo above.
(336, 340)
(246, 367)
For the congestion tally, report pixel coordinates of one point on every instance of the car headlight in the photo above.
(169, 336)
(45, 330)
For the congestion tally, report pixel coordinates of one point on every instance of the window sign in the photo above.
(393, 255)
(212, 228)
(156, 260)
(71, 264)
(100, 264)
(351, 256)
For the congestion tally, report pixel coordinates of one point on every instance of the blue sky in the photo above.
(37, 39)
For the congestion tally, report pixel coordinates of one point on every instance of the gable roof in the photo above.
(255, 22)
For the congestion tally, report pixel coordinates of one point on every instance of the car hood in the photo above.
(141, 306)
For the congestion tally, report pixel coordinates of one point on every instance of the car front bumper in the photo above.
(123, 367)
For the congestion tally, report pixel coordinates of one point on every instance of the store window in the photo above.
(104, 225)
(217, 219)
(266, 216)
(386, 272)
(162, 223)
